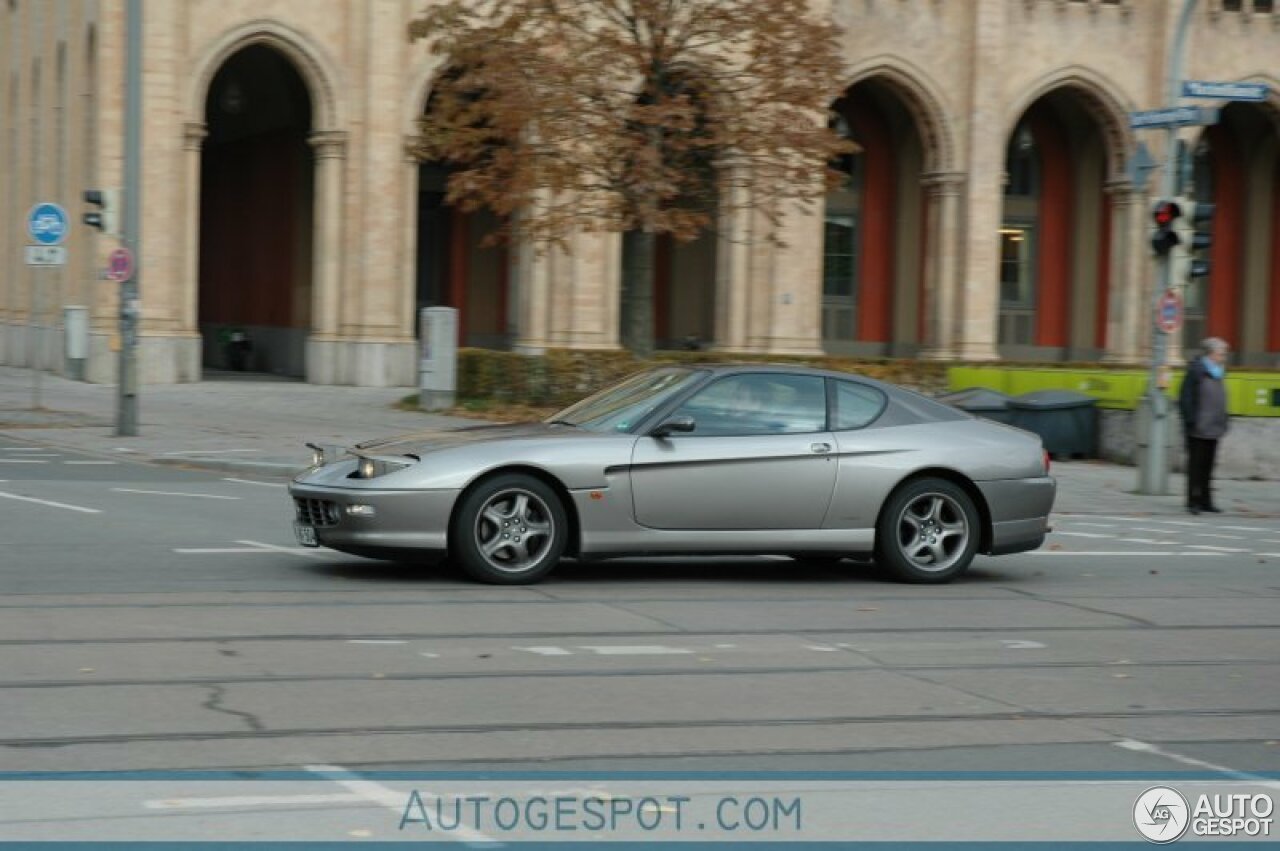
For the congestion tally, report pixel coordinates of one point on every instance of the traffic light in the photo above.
(1164, 237)
(1194, 234)
(106, 217)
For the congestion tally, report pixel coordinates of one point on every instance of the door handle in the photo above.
(820, 448)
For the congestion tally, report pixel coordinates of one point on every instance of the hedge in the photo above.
(561, 376)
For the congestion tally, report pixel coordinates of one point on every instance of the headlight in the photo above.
(371, 468)
(317, 456)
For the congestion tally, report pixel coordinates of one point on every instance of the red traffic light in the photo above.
(1165, 212)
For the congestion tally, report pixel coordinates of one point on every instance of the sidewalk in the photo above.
(259, 426)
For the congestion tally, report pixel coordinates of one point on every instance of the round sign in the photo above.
(1169, 312)
(120, 265)
(47, 224)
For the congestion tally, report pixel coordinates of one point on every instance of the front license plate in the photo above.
(306, 535)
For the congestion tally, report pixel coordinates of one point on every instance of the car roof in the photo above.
(799, 369)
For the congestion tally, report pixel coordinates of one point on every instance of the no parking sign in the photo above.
(1169, 312)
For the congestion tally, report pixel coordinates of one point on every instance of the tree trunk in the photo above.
(637, 292)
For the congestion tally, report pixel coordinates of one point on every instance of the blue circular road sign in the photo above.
(47, 224)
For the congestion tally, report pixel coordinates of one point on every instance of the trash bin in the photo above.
(981, 402)
(1067, 422)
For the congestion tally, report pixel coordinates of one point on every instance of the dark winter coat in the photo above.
(1203, 403)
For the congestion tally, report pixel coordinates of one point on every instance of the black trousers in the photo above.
(1201, 453)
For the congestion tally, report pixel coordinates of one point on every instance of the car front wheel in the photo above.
(511, 530)
(928, 532)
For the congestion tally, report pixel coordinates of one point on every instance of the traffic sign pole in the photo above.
(1153, 464)
(127, 384)
(47, 228)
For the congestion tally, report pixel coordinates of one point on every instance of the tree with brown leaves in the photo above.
(640, 117)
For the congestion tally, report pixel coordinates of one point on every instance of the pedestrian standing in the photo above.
(1203, 403)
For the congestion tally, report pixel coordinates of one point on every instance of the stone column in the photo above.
(409, 239)
(979, 292)
(193, 134)
(323, 346)
(943, 264)
(330, 154)
(1125, 296)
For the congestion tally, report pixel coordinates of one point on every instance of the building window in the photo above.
(1021, 165)
(839, 276)
(1232, 5)
(1016, 272)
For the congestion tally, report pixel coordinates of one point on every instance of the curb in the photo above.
(270, 469)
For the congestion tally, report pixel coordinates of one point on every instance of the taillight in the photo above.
(1046, 462)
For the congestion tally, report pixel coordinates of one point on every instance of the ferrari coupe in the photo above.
(693, 461)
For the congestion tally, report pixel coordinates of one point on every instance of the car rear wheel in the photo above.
(928, 532)
(510, 530)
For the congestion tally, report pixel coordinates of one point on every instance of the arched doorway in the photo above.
(457, 267)
(1055, 233)
(873, 228)
(1237, 169)
(256, 209)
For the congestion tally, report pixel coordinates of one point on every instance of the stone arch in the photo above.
(923, 101)
(1099, 98)
(314, 66)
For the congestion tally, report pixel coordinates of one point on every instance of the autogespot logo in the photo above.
(1161, 814)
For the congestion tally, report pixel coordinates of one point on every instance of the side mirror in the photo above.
(671, 426)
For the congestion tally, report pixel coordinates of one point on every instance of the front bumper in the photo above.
(1019, 512)
(402, 519)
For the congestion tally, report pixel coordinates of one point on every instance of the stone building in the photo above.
(989, 214)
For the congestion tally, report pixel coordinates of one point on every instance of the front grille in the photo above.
(316, 512)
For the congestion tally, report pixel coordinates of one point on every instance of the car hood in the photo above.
(422, 442)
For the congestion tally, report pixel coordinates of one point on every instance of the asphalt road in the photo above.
(162, 619)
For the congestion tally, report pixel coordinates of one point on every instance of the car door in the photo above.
(760, 457)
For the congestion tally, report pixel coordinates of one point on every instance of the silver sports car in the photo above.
(703, 460)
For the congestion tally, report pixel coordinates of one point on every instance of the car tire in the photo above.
(928, 532)
(509, 530)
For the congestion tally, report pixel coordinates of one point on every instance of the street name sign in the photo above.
(120, 265)
(1255, 92)
(1169, 312)
(47, 223)
(46, 255)
(1177, 116)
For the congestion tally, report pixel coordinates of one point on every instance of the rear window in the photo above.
(857, 405)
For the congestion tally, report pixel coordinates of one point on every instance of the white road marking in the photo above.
(1148, 553)
(430, 655)
(251, 801)
(395, 801)
(1149, 541)
(90, 462)
(1099, 525)
(174, 493)
(1268, 555)
(49, 503)
(634, 650)
(252, 482)
(1174, 522)
(1147, 529)
(375, 641)
(187, 551)
(125, 449)
(1021, 644)
(1244, 528)
(1084, 534)
(822, 648)
(43, 455)
(306, 552)
(1212, 535)
(725, 646)
(1216, 549)
(21, 461)
(1144, 747)
(25, 449)
(209, 451)
(545, 651)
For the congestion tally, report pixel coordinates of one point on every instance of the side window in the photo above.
(857, 405)
(758, 403)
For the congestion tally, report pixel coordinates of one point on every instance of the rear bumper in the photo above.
(1019, 512)
(402, 520)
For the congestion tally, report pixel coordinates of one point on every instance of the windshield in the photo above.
(621, 406)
